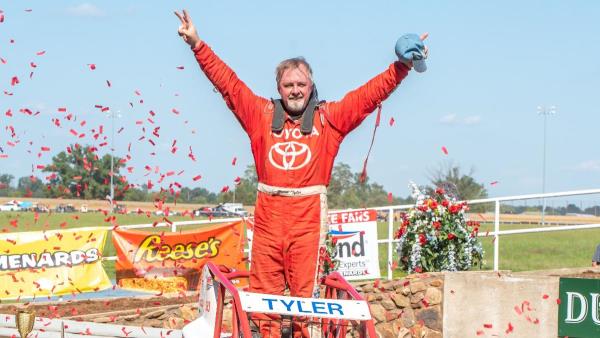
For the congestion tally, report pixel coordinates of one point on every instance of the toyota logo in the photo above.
(289, 155)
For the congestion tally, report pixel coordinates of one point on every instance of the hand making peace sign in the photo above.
(187, 30)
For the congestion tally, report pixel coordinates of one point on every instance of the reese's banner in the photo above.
(54, 262)
(171, 262)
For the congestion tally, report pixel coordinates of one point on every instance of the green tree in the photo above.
(462, 186)
(346, 191)
(31, 186)
(136, 194)
(5, 187)
(342, 180)
(245, 192)
(197, 195)
(81, 173)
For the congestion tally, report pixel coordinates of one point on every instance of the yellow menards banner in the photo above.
(54, 262)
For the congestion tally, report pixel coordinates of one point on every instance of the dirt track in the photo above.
(149, 206)
(99, 204)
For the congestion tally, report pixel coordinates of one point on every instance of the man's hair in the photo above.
(291, 64)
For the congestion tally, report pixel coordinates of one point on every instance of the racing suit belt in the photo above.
(292, 192)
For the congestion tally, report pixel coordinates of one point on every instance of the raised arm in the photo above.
(348, 113)
(239, 98)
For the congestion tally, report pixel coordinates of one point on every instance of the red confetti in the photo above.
(1, 18)
(444, 150)
(558, 301)
(108, 83)
(234, 161)
(518, 310)
(42, 52)
(510, 328)
(196, 178)
(3, 61)
(390, 197)
(545, 296)
(180, 67)
(225, 189)
(392, 121)
(494, 183)
(14, 81)
(487, 326)
(175, 111)
(92, 66)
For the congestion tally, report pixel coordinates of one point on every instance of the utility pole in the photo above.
(112, 116)
(545, 111)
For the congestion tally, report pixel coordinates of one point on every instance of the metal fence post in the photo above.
(496, 236)
(390, 239)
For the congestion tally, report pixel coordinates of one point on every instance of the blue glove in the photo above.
(410, 47)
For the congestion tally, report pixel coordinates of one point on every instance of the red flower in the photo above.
(400, 232)
(422, 239)
(418, 269)
(451, 236)
(445, 203)
(437, 225)
(439, 191)
(432, 204)
(454, 208)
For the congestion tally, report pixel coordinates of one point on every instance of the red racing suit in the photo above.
(293, 170)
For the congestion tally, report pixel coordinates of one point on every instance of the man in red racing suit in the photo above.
(293, 167)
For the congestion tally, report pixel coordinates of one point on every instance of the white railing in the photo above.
(496, 233)
(390, 241)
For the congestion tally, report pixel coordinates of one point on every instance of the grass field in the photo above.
(524, 252)
(536, 251)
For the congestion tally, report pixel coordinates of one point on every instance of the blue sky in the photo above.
(491, 64)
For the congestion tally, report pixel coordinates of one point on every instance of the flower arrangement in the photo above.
(435, 235)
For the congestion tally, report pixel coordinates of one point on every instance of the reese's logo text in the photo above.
(151, 250)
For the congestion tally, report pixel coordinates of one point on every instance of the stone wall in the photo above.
(407, 307)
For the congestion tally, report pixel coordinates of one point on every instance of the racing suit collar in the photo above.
(279, 114)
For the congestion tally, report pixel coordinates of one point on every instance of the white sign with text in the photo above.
(355, 235)
(310, 307)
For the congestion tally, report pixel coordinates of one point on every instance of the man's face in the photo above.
(295, 88)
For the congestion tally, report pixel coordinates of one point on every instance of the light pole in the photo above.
(112, 116)
(545, 111)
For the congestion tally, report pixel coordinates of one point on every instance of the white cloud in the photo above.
(453, 119)
(448, 119)
(471, 120)
(85, 9)
(590, 165)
